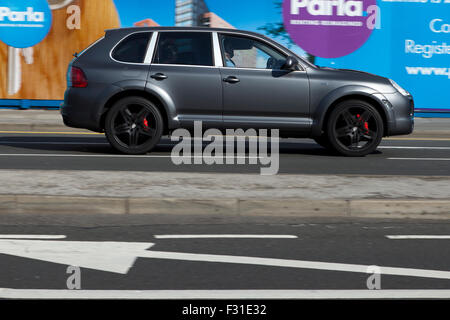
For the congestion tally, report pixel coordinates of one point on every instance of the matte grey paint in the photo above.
(195, 92)
(296, 102)
(266, 99)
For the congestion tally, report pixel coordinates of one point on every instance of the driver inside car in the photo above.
(229, 54)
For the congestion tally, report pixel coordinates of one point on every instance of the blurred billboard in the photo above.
(406, 40)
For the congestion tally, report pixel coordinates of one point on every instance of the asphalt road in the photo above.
(122, 254)
(343, 243)
(395, 156)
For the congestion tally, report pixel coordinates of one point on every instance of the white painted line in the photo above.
(224, 236)
(402, 237)
(54, 143)
(173, 144)
(62, 155)
(119, 257)
(417, 139)
(298, 264)
(6, 293)
(31, 236)
(421, 159)
(79, 143)
(414, 148)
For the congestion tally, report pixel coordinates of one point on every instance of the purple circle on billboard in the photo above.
(329, 28)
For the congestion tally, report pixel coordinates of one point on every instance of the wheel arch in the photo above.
(327, 106)
(149, 95)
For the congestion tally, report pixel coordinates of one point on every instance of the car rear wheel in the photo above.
(355, 128)
(133, 125)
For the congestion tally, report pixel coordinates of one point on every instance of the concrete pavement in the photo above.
(33, 120)
(72, 192)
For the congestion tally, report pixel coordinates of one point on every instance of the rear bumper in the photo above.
(77, 119)
(83, 107)
(78, 112)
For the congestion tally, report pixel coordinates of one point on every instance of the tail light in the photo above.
(78, 78)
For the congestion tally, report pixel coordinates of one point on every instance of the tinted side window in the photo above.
(243, 52)
(133, 48)
(190, 48)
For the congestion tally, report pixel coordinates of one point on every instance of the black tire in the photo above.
(134, 125)
(355, 128)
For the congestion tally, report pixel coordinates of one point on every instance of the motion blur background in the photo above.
(405, 40)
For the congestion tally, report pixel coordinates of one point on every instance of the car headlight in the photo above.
(399, 89)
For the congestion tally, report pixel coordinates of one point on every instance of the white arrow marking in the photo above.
(119, 257)
(115, 257)
(6, 293)
(426, 237)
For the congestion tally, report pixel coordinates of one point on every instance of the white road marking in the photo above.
(421, 159)
(6, 293)
(74, 143)
(300, 264)
(225, 236)
(74, 133)
(31, 236)
(205, 141)
(402, 237)
(62, 155)
(414, 148)
(70, 155)
(171, 145)
(54, 143)
(119, 257)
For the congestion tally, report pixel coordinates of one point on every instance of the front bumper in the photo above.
(400, 113)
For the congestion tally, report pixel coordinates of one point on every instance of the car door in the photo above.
(183, 68)
(256, 92)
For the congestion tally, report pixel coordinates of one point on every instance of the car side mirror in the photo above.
(290, 63)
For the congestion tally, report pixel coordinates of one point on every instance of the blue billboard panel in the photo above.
(411, 46)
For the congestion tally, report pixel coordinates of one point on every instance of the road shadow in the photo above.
(99, 145)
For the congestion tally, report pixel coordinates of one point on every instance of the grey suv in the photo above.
(137, 84)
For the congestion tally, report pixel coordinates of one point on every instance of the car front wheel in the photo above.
(355, 128)
(133, 125)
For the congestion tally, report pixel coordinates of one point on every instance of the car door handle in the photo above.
(231, 79)
(159, 76)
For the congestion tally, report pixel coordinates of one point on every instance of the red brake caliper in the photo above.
(146, 123)
(366, 124)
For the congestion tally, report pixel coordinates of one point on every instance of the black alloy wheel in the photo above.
(355, 128)
(134, 125)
